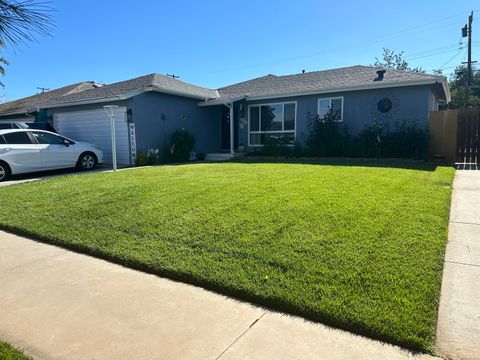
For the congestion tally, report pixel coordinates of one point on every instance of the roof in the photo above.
(30, 104)
(265, 87)
(335, 80)
(126, 89)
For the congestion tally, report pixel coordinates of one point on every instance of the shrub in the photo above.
(406, 141)
(274, 147)
(328, 138)
(181, 145)
(370, 142)
(149, 158)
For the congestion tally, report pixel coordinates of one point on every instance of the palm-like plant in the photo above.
(21, 21)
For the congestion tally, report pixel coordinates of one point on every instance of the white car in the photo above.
(27, 150)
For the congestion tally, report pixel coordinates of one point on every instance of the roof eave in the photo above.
(177, 93)
(215, 102)
(19, 112)
(430, 81)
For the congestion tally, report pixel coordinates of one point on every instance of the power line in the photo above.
(457, 46)
(434, 54)
(409, 32)
(450, 60)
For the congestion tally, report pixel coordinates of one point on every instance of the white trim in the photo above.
(330, 106)
(377, 85)
(294, 131)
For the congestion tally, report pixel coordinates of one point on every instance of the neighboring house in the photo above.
(152, 107)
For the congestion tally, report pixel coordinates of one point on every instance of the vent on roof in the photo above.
(380, 75)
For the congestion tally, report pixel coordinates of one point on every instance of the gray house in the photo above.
(242, 116)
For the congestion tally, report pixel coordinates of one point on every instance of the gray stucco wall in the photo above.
(157, 116)
(411, 103)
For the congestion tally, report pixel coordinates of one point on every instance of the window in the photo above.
(5, 126)
(2, 140)
(17, 138)
(46, 138)
(331, 106)
(272, 122)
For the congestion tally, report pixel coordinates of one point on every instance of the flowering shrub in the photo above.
(181, 145)
(151, 157)
(329, 138)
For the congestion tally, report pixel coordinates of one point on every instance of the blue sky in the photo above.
(215, 43)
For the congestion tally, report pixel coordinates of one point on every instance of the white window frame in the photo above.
(283, 131)
(330, 105)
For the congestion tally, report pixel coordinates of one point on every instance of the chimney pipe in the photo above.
(380, 75)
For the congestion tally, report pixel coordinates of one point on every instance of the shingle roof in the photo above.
(342, 79)
(30, 104)
(321, 81)
(89, 91)
(155, 82)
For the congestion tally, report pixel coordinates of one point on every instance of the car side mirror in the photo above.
(66, 143)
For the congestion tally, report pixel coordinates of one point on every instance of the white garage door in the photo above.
(93, 126)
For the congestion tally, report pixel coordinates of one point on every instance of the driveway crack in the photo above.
(461, 263)
(240, 336)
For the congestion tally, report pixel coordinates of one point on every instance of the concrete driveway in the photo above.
(24, 178)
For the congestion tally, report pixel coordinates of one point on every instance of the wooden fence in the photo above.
(443, 135)
(455, 136)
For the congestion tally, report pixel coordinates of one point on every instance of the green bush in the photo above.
(277, 147)
(181, 145)
(328, 138)
(149, 158)
(406, 141)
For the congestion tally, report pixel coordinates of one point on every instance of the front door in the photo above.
(225, 129)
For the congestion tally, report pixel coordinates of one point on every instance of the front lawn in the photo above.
(356, 245)
(8, 352)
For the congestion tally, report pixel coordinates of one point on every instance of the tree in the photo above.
(393, 60)
(21, 21)
(458, 83)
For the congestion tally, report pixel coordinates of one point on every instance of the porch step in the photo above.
(218, 156)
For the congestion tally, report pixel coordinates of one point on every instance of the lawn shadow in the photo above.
(354, 162)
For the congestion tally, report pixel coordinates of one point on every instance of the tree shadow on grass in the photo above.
(360, 162)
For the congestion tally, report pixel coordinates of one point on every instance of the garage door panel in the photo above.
(93, 126)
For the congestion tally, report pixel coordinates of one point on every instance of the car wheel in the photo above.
(4, 171)
(87, 161)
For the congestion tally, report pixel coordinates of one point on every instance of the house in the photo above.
(150, 108)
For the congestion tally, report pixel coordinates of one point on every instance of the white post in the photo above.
(232, 151)
(109, 109)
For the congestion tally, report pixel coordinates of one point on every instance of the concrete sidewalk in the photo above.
(56, 304)
(458, 328)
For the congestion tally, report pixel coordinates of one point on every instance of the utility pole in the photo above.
(467, 32)
(173, 76)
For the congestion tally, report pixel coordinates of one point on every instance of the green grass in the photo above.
(358, 246)
(7, 352)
